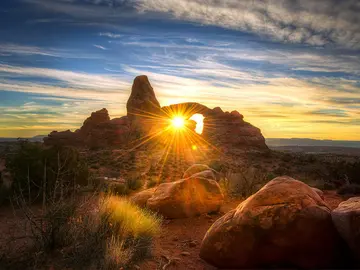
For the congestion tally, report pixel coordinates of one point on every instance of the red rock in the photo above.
(346, 218)
(186, 198)
(285, 224)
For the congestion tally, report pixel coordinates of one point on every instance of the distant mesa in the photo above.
(146, 116)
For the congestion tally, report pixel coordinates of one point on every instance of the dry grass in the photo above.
(131, 219)
(105, 232)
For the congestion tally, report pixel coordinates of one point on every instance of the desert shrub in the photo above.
(118, 189)
(5, 194)
(134, 183)
(152, 181)
(119, 235)
(218, 165)
(46, 172)
(95, 166)
(270, 176)
(244, 182)
(114, 174)
(349, 189)
(347, 172)
(104, 232)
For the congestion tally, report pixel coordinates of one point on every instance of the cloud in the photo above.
(79, 80)
(11, 48)
(110, 35)
(315, 23)
(100, 47)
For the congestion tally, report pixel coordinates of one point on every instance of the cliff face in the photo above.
(145, 116)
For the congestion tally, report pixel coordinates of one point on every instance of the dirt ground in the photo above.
(179, 242)
(178, 245)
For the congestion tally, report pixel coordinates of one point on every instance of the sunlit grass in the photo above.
(130, 219)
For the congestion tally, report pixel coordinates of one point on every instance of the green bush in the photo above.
(40, 171)
(244, 182)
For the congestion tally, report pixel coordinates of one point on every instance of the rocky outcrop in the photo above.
(97, 131)
(63, 138)
(224, 129)
(285, 224)
(346, 218)
(145, 116)
(186, 198)
(142, 105)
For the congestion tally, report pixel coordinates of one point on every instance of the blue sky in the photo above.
(291, 67)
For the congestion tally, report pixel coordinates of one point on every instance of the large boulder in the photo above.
(186, 198)
(141, 198)
(346, 218)
(285, 224)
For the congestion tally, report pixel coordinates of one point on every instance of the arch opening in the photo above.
(199, 119)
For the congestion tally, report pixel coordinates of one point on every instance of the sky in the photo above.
(292, 68)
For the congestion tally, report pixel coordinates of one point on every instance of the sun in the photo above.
(178, 122)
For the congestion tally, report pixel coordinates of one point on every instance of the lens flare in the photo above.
(178, 122)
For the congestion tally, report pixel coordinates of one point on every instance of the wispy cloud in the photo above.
(11, 48)
(100, 47)
(316, 23)
(80, 80)
(110, 35)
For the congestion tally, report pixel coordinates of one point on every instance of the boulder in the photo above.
(319, 192)
(186, 198)
(196, 168)
(207, 174)
(142, 197)
(346, 218)
(285, 224)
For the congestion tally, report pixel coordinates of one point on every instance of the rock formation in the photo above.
(145, 115)
(285, 224)
(346, 218)
(142, 105)
(226, 129)
(97, 131)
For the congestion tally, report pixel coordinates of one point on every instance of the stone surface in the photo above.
(97, 131)
(186, 198)
(319, 192)
(196, 168)
(207, 174)
(346, 218)
(222, 128)
(142, 197)
(142, 105)
(285, 224)
(145, 117)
